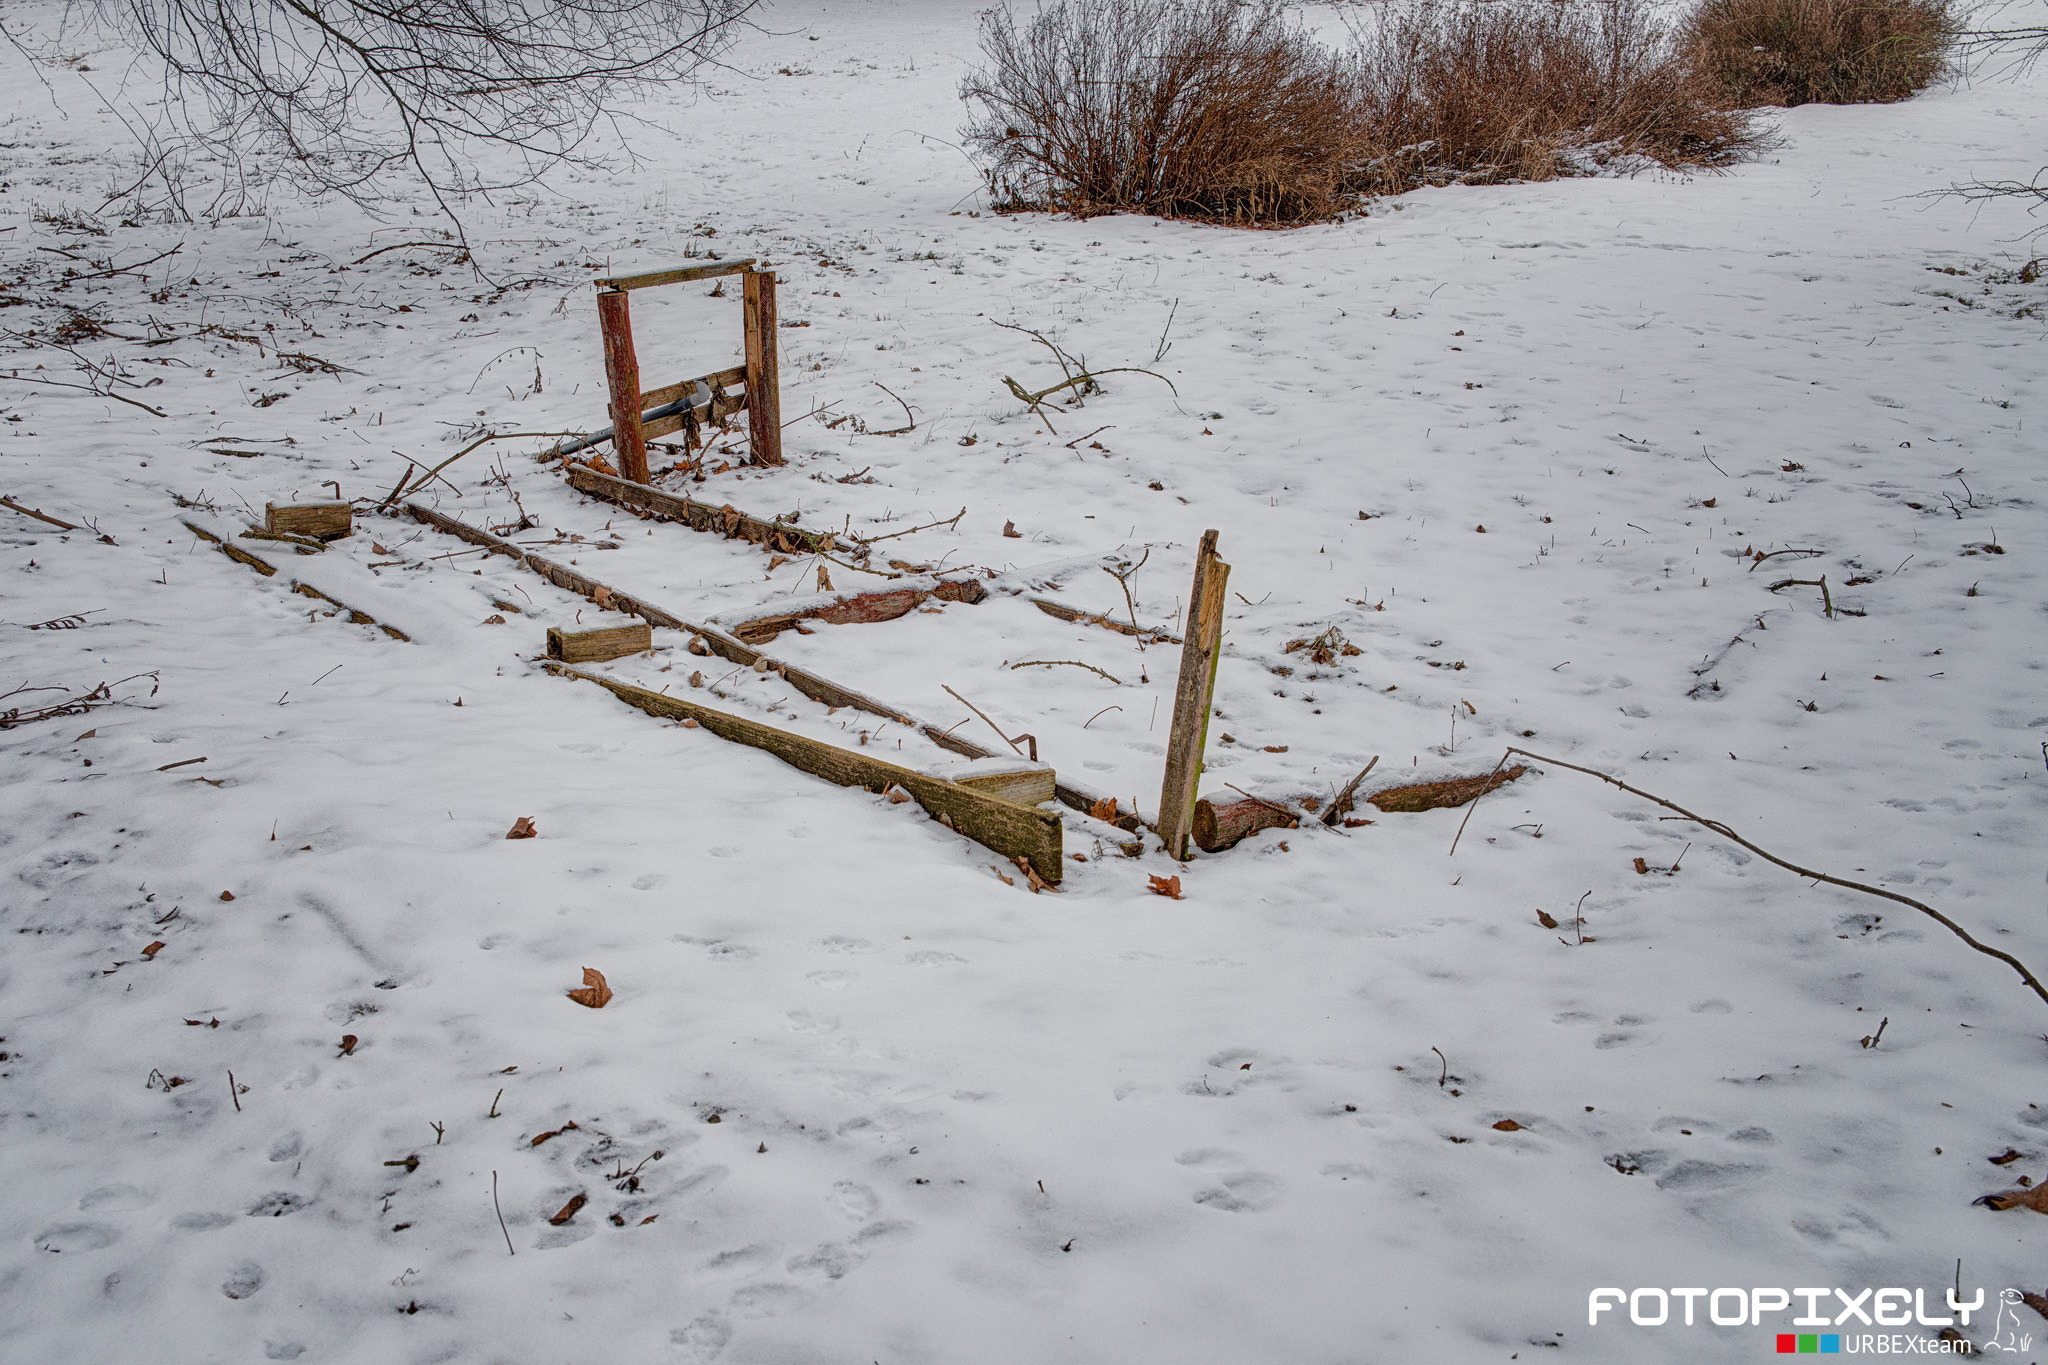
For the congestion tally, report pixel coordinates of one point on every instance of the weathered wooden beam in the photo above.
(683, 388)
(861, 609)
(1196, 686)
(1091, 618)
(764, 402)
(604, 642)
(320, 520)
(1008, 827)
(1221, 821)
(683, 275)
(1442, 795)
(1028, 784)
(360, 618)
(622, 379)
(727, 520)
(232, 550)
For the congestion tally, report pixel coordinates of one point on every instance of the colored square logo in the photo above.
(1809, 1344)
(1830, 1344)
(1787, 1343)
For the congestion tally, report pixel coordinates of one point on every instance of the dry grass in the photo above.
(1192, 109)
(1465, 93)
(1787, 52)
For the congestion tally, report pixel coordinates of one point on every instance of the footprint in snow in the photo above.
(704, 1338)
(1211, 1158)
(855, 1201)
(76, 1237)
(739, 1261)
(243, 1281)
(840, 943)
(1248, 1192)
(932, 958)
(833, 981)
(283, 1350)
(117, 1198)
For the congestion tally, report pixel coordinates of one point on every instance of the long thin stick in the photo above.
(39, 516)
(1343, 801)
(953, 520)
(2026, 975)
(1074, 663)
(232, 1094)
(992, 725)
(501, 1213)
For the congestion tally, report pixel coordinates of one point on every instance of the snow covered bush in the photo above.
(1472, 93)
(1788, 52)
(1185, 108)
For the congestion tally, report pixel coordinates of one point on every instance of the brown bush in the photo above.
(1788, 52)
(1185, 108)
(1465, 93)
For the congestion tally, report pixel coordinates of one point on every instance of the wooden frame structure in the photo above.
(638, 417)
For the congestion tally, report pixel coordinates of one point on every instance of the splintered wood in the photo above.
(320, 520)
(1191, 697)
(596, 646)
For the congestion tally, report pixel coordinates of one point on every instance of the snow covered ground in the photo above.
(956, 1121)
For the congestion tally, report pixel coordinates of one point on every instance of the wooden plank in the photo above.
(682, 388)
(1028, 784)
(684, 275)
(764, 401)
(320, 520)
(1011, 829)
(361, 618)
(232, 550)
(1191, 697)
(1442, 795)
(595, 646)
(1087, 618)
(726, 520)
(622, 379)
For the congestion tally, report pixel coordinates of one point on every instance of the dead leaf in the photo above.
(1482, 530)
(522, 828)
(594, 992)
(375, 548)
(348, 1045)
(1038, 883)
(569, 1127)
(227, 895)
(648, 1219)
(153, 949)
(1168, 887)
(1707, 502)
(689, 722)
(897, 796)
(569, 1210)
(696, 679)
(603, 466)
(494, 620)
(2004, 1158)
(1545, 920)
(1354, 824)
(1104, 810)
(824, 580)
(87, 735)
(2035, 1199)
(1507, 1126)
(1642, 868)
(602, 596)
(1276, 748)
(1010, 530)
(1006, 881)
(1311, 803)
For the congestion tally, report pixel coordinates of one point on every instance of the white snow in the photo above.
(1100, 1125)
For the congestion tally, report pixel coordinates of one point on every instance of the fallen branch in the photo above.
(1071, 663)
(1827, 598)
(907, 413)
(1343, 804)
(992, 725)
(953, 520)
(1775, 553)
(11, 504)
(1715, 826)
(72, 705)
(400, 246)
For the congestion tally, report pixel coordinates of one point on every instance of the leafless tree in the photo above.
(467, 96)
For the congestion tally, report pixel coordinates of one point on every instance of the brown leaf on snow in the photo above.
(1006, 881)
(348, 1045)
(1038, 883)
(1642, 868)
(1543, 918)
(569, 1127)
(2035, 1199)
(153, 949)
(569, 1210)
(522, 828)
(897, 796)
(1105, 809)
(594, 992)
(494, 620)
(2004, 1158)
(602, 596)
(1507, 1126)
(227, 895)
(1010, 530)
(1164, 886)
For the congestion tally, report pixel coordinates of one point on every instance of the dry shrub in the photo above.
(1186, 108)
(1788, 52)
(1465, 93)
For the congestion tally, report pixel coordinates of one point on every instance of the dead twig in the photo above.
(909, 416)
(12, 505)
(1122, 573)
(1715, 826)
(74, 705)
(1031, 739)
(1775, 553)
(953, 520)
(1827, 598)
(1343, 802)
(1072, 663)
(400, 246)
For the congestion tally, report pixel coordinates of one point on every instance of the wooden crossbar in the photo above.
(684, 275)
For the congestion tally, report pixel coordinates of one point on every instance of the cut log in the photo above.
(1441, 795)
(1222, 821)
(320, 520)
(1067, 613)
(1010, 829)
(702, 516)
(595, 646)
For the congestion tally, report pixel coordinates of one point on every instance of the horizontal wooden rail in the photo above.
(683, 276)
(683, 388)
(725, 520)
(1008, 827)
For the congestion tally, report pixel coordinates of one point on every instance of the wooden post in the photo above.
(622, 375)
(1200, 648)
(764, 402)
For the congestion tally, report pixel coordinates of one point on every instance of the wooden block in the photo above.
(321, 520)
(1025, 783)
(1221, 821)
(595, 646)
(1010, 829)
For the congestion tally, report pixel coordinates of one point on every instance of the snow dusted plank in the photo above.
(726, 520)
(684, 275)
(1008, 827)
